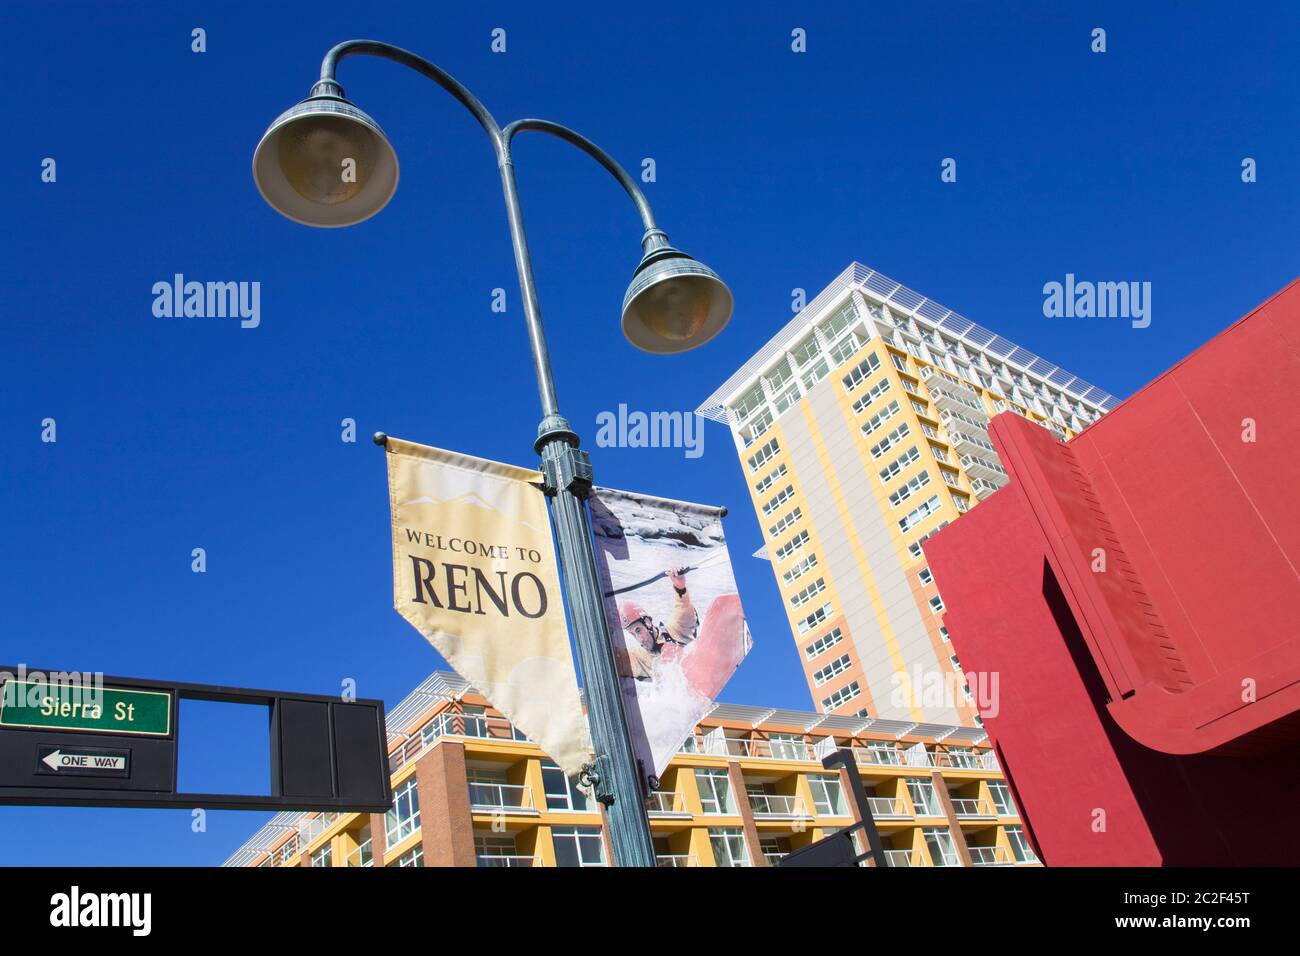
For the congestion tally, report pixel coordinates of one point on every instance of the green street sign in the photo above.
(97, 710)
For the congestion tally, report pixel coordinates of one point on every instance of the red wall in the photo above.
(1149, 706)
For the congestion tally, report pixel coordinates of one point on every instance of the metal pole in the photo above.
(616, 779)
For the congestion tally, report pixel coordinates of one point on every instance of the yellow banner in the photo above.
(475, 572)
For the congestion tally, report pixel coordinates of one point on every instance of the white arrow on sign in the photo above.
(73, 761)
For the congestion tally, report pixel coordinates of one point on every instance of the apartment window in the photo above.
(961, 502)
(785, 523)
(831, 670)
(838, 322)
(936, 604)
(474, 720)
(925, 576)
(816, 618)
(920, 408)
(1001, 794)
(288, 851)
(806, 351)
(779, 375)
(828, 795)
(784, 495)
(890, 440)
(883, 753)
(322, 857)
(860, 372)
(767, 482)
(882, 416)
(761, 423)
(815, 374)
(412, 857)
(800, 568)
(891, 471)
(804, 595)
(728, 845)
(842, 352)
(924, 798)
(943, 632)
(841, 696)
(899, 362)
(1020, 848)
(913, 485)
(942, 851)
(830, 639)
(938, 453)
(561, 792)
(787, 746)
(950, 478)
(873, 393)
(791, 546)
(763, 455)
(404, 818)
(919, 513)
(578, 846)
(715, 790)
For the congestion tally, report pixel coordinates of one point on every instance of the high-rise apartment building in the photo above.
(747, 788)
(862, 428)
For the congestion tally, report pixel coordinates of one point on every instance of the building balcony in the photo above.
(501, 797)
(950, 399)
(673, 860)
(769, 806)
(982, 466)
(363, 855)
(666, 803)
(888, 808)
(991, 856)
(971, 809)
(512, 861)
(906, 858)
(753, 749)
(877, 757)
(983, 487)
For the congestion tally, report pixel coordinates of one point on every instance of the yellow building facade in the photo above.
(746, 789)
(862, 429)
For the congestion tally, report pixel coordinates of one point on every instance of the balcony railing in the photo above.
(965, 807)
(990, 856)
(670, 860)
(450, 724)
(494, 860)
(310, 829)
(907, 858)
(884, 808)
(501, 796)
(877, 756)
(774, 858)
(777, 805)
(363, 855)
(665, 803)
(758, 749)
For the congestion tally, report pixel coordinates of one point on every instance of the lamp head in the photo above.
(674, 303)
(324, 162)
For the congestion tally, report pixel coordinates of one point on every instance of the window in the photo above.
(924, 798)
(799, 569)
(873, 393)
(899, 362)
(838, 322)
(815, 618)
(1001, 794)
(761, 423)
(791, 546)
(841, 696)
(804, 595)
(322, 856)
(715, 790)
(784, 495)
(412, 857)
(925, 576)
(833, 669)
(779, 375)
(561, 792)
(882, 416)
(919, 513)
(961, 502)
(828, 795)
(806, 350)
(891, 471)
(889, 441)
(1020, 848)
(936, 604)
(785, 523)
(728, 845)
(943, 632)
(815, 374)
(860, 372)
(763, 455)
(767, 482)
(474, 720)
(787, 746)
(913, 485)
(749, 402)
(287, 851)
(404, 818)
(578, 846)
(827, 640)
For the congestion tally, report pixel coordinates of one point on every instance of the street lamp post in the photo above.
(326, 163)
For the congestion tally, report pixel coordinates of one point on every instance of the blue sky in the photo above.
(776, 168)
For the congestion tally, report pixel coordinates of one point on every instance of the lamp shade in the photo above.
(325, 163)
(674, 303)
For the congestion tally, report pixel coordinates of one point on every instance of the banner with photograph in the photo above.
(673, 610)
(475, 572)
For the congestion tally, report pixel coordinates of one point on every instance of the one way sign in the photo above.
(83, 761)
